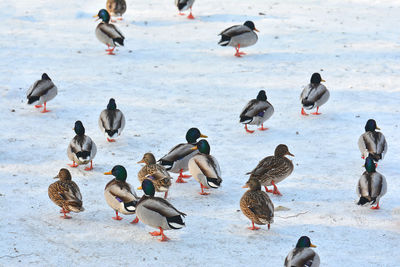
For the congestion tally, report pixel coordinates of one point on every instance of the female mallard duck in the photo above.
(116, 8)
(108, 33)
(81, 149)
(111, 121)
(204, 167)
(302, 255)
(119, 194)
(157, 173)
(41, 92)
(372, 185)
(256, 112)
(157, 212)
(178, 157)
(256, 205)
(314, 94)
(372, 142)
(66, 194)
(273, 169)
(183, 5)
(239, 36)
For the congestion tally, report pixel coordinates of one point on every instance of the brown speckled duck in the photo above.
(116, 8)
(156, 173)
(66, 194)
(273, 169)
(256, 205)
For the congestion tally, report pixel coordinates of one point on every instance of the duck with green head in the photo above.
(108, 33)
(372, 185)
(303, 254)
(120, 195)
(111, 121)
(157, 212)
(315, 94)
(178, 157)
(81, 150)
(205, 168)
(372, 142)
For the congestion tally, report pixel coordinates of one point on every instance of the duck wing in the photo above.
(121, 190)
(162, 207)
(235, 30)
(176, 153)
(253, 108)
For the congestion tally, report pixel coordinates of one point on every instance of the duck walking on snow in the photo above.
(273, 169)
(256, 112)
(157, 212)
(116, 8)
(314, 94)
(108, 33)
(111, 121)
(183, 5)
(178, 157)
(372, 142)
(120, 195)
(41, 92)
(239, 36)
(256, 205)
(205, 168)
(302, 255)
(372, 185)
(65, 193)
(81, 149)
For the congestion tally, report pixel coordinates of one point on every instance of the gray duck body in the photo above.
(238, 35)
(371, 186)
(81, 149)
(256, 112)
(302, 257)
(109, 34)
(314, 95)
(373, 143)
(41, 91)
(111, 123)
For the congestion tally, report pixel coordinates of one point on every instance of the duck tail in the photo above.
(224, 40)
(214, 182)
(111, 133)
(363, 200)
(245, 119)
(119, 41)
(176, 222)
(166, 164)
(130, 206)
(307, 104)
(181, 6)
(33, 99)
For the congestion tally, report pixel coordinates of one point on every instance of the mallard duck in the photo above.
(372, 185)
(302, 255)
(116, 8)
(239, 36)
(314, 94)
(81, 149)
(41, 92)
(108, 33)
(183, 5)
(273, 169)
(204, 167)
(178, 157)
(111, 121)
(157, 212)
(157, 173)
(65, 193)
(372, 142)
(256, 205)
(256, 112)
(119, 195)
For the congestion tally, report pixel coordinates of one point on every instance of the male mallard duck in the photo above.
(157, 173)
(108, 33)
(119, 195)
(81, 149)
(372, 142)
(116, 8)
(41, 92)
(178, 157)
(111, 121)
(157, 212)
(314, 94)
(183, 5)
(372, 185)
(204, 167)
(65, 193)
(239, 36)
(256, 205)
(256, 112)
(273, 169)
(302, 255)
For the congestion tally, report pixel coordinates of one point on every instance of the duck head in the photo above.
(64, 175)
(262, 96)
(282, 150)
(104, 15)
(316, 78)
(304, 242)
(193, 134)
(148, 158)
(251, 25)
(252, 184)
(45, 77)
(371, 126)
(370, 164)
(111, 104)
(202, 146)
(79, 129)
(119, 172)
(148, 188)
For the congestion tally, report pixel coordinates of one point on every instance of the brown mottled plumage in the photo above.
(256, 205)
(65, 193)
(116, 7)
